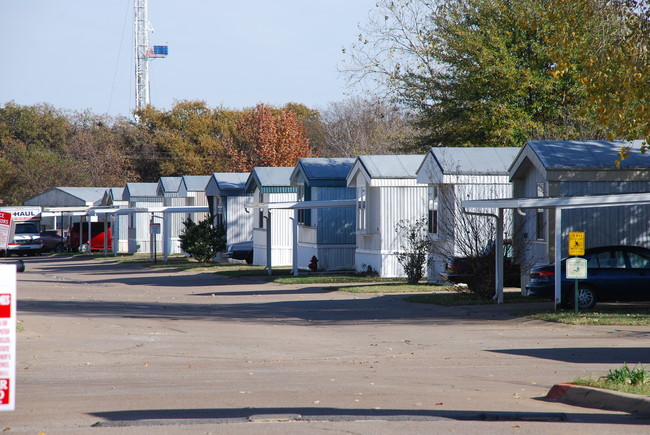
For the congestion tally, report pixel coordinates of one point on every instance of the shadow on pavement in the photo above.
(167, 416)
(593, 355)
(379, 308)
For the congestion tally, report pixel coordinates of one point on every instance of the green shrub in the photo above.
(202, 241)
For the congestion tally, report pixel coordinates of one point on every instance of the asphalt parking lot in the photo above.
(111, 348)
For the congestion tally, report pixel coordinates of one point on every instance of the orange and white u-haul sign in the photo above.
(7, 337)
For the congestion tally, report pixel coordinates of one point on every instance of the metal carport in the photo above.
(557, 204)
(295, 206)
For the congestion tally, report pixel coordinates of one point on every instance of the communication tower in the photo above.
(143, 54)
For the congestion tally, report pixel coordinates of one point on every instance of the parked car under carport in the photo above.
(240, 251)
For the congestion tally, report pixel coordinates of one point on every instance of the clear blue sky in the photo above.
(78, 54)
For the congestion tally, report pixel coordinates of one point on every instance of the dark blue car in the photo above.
(614, 273)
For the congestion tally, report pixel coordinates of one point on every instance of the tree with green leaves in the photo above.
(477, 72)
(42, 147)
(188, 139)
(606, 45)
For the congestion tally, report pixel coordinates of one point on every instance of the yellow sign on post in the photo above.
(576, 244)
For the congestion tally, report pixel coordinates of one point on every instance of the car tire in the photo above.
(58, 248)
(249, 258)
(586, 298)
(83, 248)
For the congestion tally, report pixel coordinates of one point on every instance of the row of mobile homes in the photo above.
(454, 175)
(326, 235)
(387, 194)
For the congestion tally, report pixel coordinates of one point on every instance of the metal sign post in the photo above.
(154, 230)
(576, 267)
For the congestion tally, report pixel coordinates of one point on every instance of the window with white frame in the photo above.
(432, 218)
(361, 209)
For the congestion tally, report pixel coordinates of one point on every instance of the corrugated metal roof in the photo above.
(170, 184)
(391, 166)
(587, 154)
(196, 183)
(269, 176)
(474, 160)
(231, 180)
(140, 189)
(69, 196)
(117, 192)
(320, 168)
(88, 194)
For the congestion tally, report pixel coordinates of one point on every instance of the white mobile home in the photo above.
(142, 195)
(227, 198)
(113, 199)
(454, 175)
(326, 234)
(387, 193)
(169, 190)
(192, 188)
(272, 185)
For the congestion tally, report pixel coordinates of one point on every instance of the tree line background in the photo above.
(433, 72)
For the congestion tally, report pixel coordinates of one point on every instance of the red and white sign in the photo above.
(5, 229)
(7, 337)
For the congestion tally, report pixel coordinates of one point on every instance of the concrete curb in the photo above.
(590, 397)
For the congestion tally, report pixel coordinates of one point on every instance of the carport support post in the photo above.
(166, 237)
(558, 257)
(498, 256)
(268, 243)
(294, 254)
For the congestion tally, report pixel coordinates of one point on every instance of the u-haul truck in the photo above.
(25, 236)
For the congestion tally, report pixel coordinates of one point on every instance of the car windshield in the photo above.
(26, 229)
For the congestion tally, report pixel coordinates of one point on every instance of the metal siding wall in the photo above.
(335, 225)
(239, 223)
(139, 237)
(400, 204)
(607, 225)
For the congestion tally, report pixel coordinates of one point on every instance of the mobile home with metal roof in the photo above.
(269, 185)
(554, 169)
(324, 234)
(387, 193)
(70, 198)
(454, 175)
(142, 195)
(227, 199)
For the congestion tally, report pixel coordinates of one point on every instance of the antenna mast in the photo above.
(142, 28)
(144, 54)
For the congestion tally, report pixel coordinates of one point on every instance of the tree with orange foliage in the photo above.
(268, 137)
